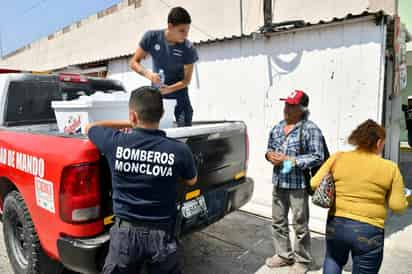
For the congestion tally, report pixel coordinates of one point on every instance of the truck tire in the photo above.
(22, 243)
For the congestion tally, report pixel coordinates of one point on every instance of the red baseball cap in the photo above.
(297, 97)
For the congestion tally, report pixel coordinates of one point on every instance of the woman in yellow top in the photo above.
(365, 183)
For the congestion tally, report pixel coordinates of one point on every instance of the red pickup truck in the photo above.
(55, 188)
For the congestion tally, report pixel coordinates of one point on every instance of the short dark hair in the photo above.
(366, 135)
(147, 102)
(179, 16)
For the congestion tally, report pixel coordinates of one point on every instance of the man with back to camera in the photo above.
(173, 55)
(146, 167)
(407, 109)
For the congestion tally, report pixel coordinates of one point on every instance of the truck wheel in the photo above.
(22, 243)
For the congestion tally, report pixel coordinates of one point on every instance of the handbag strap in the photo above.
(338, 155)
(301, 149)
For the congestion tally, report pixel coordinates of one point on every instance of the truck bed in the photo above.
(198, 128)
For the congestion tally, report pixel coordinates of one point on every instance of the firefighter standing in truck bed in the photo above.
(172, 53)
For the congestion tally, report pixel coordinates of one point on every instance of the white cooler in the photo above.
(73, 116)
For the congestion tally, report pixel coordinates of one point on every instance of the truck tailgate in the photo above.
(220, 151)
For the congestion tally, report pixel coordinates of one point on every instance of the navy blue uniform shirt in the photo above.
(170, 58)
(145, 167)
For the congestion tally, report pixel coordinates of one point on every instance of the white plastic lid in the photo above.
(98, 98)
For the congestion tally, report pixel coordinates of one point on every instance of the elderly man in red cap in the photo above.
(295, 145)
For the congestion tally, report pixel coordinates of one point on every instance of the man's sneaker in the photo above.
(276, 261)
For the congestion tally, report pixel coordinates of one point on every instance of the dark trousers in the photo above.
(363, 241)
(184, 115)
(410, 137)
(131, 247)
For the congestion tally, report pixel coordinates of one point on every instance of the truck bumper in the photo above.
(220, 201)
(239, 194)
(88, 255)
(83, 255)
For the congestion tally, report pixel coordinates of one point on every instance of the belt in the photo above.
(143, 225)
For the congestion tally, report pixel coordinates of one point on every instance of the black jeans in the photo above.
(133, 247)
(410, 137)
(363, 241)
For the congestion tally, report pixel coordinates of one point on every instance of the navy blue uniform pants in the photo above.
(132, 247)
(184, 115)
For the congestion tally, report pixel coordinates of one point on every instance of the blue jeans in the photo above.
(363, 241)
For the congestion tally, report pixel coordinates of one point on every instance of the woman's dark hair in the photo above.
(366, 135)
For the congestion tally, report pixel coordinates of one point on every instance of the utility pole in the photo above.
(241, 17)
(267, 12)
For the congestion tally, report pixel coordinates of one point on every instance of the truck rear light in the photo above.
(85, 214)
(80, 197)
(74, 78)
(9, 71)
